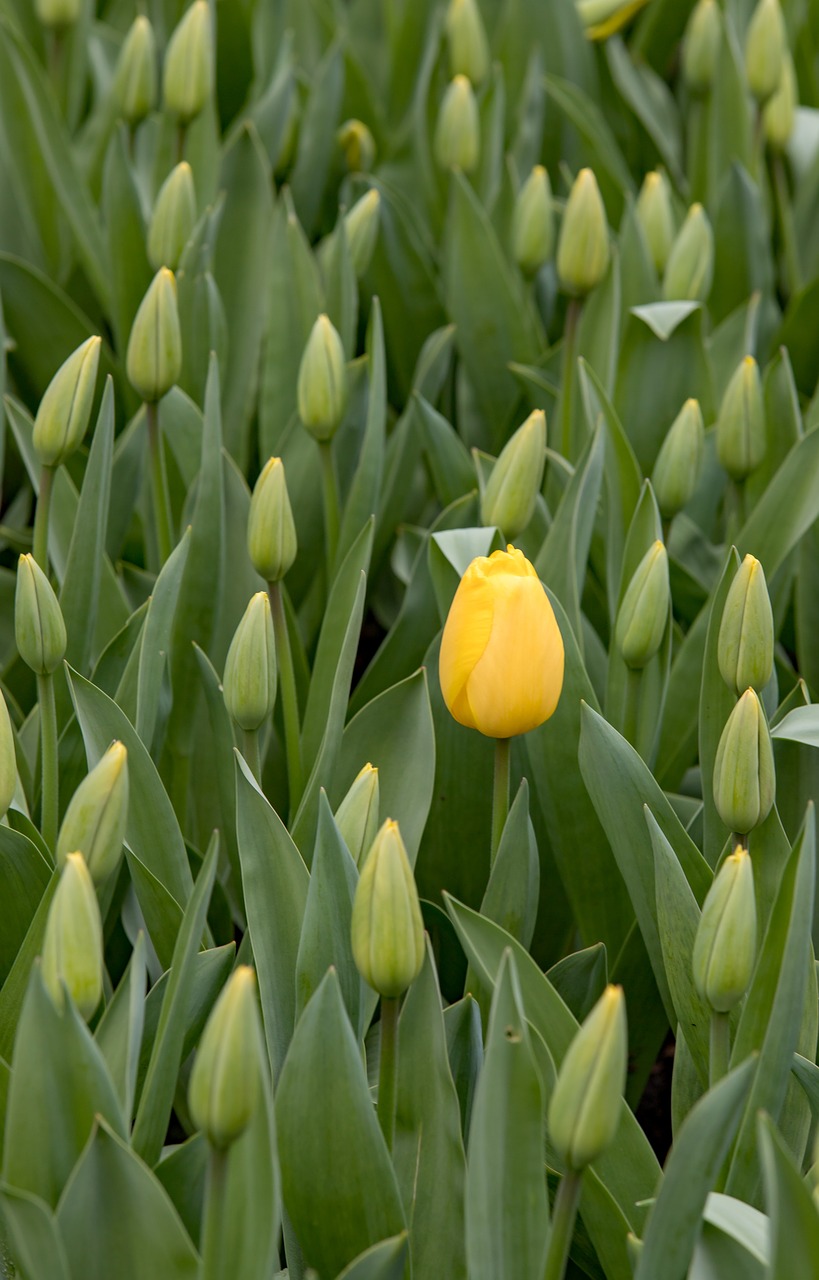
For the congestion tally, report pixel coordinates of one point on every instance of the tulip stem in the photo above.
(40, 547)
(720, 1047)
(252, 753)
(563, 1218)
(793, 274)
(500, 794)
(631, 715)
(159, 478)
(49, 773)
(290, 703)
(214, 1263)
(181, 138)
(569, 361)
(331, 520)
(388, 1068)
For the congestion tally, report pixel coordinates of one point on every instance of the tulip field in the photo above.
(409, 643)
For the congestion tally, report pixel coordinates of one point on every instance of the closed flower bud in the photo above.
(586, 1104)
(250, 667)
(188, 73)
(532, 222)
(744, 776)
(322, 385)
(690, 267)
(135, 77)
(656, 218)
(386, 927)
(766, 45)
(678, 464)
(358, 145)
(39, 628)
(173, 218)
(153, 361)
(583, 247)
(65, 409)
(466, 36)
(725, 943)
(779, 114)
(511, 492)
(271, 532)
(8, 759)
(458, 131)
(602, 18)
(95, 820)
(72, 944)
(58, 13)
(357, 815)
(701, 46)
(226, 1080)
(501, 662)
(643, 614)
(741, 440)
(361, 229)
(745, 649)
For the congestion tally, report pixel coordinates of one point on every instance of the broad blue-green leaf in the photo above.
(317, 137)
(652, 103)
(36, 1247)
(384, 1261)
(580, 979)
(155, 639)
(119, 1032)
(14, 988)
(24, 875)
(586, 116)
(791, 1208)
(252, 1211)
(513, 890)
(124, 221)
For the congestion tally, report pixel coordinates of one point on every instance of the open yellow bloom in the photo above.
(501, 664)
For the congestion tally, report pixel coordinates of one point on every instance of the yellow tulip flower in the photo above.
(501, 663)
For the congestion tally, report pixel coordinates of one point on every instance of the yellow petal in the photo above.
(466, 634)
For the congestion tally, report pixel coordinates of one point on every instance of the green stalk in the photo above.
(215, 1264)
(569, 361)
(563, 1216)
(631, 716)
(41, 515)
(720, 1047)
(290, 704)
(252, 753)
(500, 794)
(49, 786)
(159, 480)
(784, 207)
(388, 1068)
(181, 138)
(331, 517)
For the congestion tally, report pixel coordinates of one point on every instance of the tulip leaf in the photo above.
(15, 986)
(580, 109)
(147, 1241)
(787, 508)
(36, 1247)
(453, 473)
(464, 1039)
(799, 725)
(252, 1211)
(317, 137)
(652, 103)
(119, 1031)
(341, 286)
(791, 1208)
(362, 500)
(450, 554)
(580, 979)
(507, 1208)
(124, 222)
(699, 1151)
(182, 1172)
(339, 1187)
(384, 1261)
(513, 890)
(222, 747)
(155, 639)
(275, 883)
(24, 875)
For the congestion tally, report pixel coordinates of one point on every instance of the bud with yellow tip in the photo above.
(766, 44)
(357, 815)
(745, 648)
(586, 1104)
(153, 360)
(135, 77)
(250, 667)
(643, 614)
(690, 267)
(457, 142)
(226, 1080)
(744, 774)
(466, 37)
(583, 246)
(511, 492)
(271, 531)
(321, 391)
(188, 72)
(656, 218)
(58, 13)
(387, 928)
(700, 48)
(65, 409)
(173, 218)
(532, 222)
(678, 464)
(358, 145)
(96, 818)
(741, 437)
(361, 229)
(779, 113)
(72, 943)
(39, 628)
(725, 942)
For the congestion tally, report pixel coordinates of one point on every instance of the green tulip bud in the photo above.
(387, 929)
(677, 468)
(766, 44)
(741, 437)
(8, 760)
(173, 218)
(690, 267)
(321, 391)
(188, 73)
(135, 77)
(58, 13)
(586, 1104)
(745, 649)
(643, 614)
(466, 36)
(511, 492)
(701, 46)
(226, 1080)
(65, 409)
(779, 113)
(72, 943)
(656, 218)
(153, 361)
(39, 628)
(458, 131)
(271, 532)
(357, 815)
(250, 667)
(744, 775)
(532, 222)
(583, 246)
(725, 943)
(361, 229)
(358, 145)
(95, 820)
